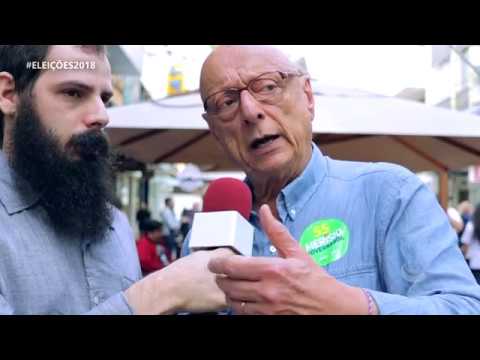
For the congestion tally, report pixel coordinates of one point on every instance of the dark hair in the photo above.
(14, 59)
(148, 225)
(476, 223)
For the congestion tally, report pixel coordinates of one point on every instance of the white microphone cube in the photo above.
(221, 229)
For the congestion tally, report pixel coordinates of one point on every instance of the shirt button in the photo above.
(273, 250)
(293, 212)
(96, 300)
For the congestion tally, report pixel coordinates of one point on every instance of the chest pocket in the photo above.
(108, 268)
(108, 283)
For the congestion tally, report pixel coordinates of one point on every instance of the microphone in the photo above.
(227, 204)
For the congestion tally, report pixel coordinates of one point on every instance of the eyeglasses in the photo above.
(267, 88)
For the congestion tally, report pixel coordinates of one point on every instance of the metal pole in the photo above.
(465, 60)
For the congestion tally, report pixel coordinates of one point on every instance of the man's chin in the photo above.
(72, 156)
(273, 164)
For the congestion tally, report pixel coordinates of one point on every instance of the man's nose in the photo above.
(97, 116)
(250, 108)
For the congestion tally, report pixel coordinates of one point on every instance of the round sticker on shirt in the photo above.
(325, 240)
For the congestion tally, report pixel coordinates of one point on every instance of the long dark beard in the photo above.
(77, 189)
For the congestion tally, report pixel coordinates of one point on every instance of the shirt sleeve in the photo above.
(422, 268)
(115, 305)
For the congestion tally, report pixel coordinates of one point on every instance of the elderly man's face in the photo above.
(262, 137)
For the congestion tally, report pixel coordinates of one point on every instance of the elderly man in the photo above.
(64, 249)
(331, 237)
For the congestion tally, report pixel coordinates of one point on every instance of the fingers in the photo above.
(238, 307)
(242, 268)
(279, 235)
(202, 257)
(238, 289)
(248, 308)
(221, 252)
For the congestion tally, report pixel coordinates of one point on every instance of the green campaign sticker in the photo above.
(325, 240)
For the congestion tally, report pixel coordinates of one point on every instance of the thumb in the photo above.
(279, 235)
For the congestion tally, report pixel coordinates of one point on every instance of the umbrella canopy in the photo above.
(347, 126)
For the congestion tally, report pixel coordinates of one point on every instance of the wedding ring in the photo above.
(242, 306)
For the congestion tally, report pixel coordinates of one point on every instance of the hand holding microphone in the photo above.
(187, 285)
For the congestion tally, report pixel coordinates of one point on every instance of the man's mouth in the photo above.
(88, 146)
(263, 141)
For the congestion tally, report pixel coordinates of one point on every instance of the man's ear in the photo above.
(8, 95)
(310, 97)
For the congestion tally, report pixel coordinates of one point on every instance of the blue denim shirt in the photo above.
(45, 272)
(402, 247)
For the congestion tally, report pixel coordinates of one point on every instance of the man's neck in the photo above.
(266, 188)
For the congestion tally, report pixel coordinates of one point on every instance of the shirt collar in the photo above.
(295, 195)
(15, 193)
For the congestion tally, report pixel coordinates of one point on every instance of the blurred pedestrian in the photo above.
(187, 219)
(471, 243)
(142, 214)
(153, 251)
(466, 209)
(171, 227)
(456, 221)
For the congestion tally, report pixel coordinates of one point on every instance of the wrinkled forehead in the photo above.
(236, 65)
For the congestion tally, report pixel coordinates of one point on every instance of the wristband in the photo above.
(370, 301)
